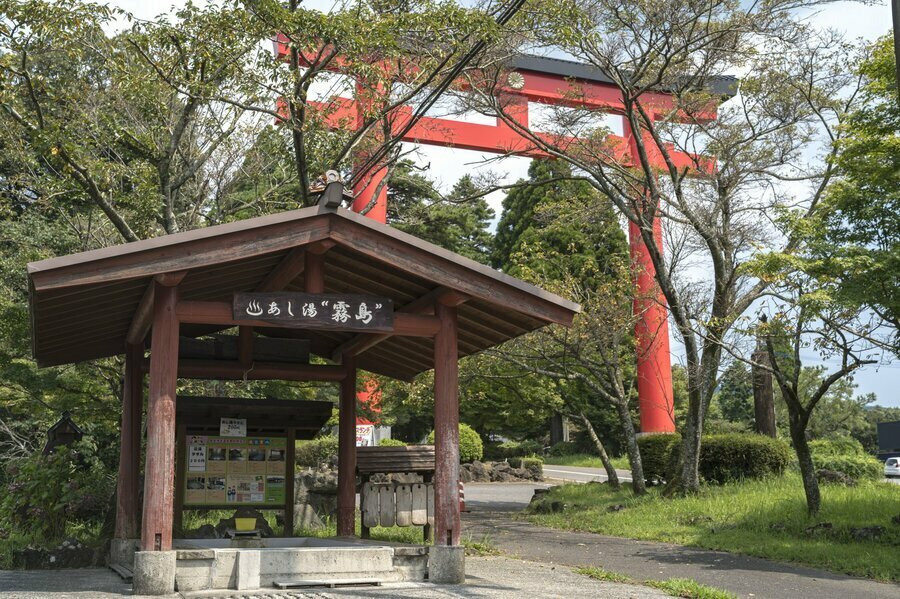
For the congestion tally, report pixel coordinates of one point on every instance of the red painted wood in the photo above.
(654, 367)
(126, 485)
(346, 516)
(446, 429)
(136, 382)
(159, 478)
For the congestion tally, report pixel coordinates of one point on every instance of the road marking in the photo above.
(590, 476)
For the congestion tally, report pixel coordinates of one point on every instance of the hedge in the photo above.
(392, 443)
(512, 449)
(659, 454)
(563, 448)
(526, 462)
(723, 458)
(470, 446)
(316, 451)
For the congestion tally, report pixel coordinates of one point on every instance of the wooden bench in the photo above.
(418, 459)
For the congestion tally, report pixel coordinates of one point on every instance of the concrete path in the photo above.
(486, 578)
(491, 517)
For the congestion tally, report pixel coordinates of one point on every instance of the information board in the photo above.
(235, 470)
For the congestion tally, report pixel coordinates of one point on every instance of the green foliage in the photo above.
(854, 243)
(458, 222)
(526, 462)
(45, 493)
(725, 458)
(846, 455)
(659, 454)
(735, 393)
(511, 449)
(564, 448)
(314, 452)
(392, 443)
(689, 589)
(471, 447)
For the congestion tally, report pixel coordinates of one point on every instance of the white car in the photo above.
(892, 467)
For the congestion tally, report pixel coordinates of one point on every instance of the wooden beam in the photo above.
(366, 341)
(156, 530)
(220, 313)
(290, 267)
(446, 429)
(346, 499)
(234, 370)
(143, 314)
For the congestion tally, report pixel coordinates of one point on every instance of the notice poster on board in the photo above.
(235, 470)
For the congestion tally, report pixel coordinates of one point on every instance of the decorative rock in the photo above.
(867, 533)
(824, 475)
(820, 527)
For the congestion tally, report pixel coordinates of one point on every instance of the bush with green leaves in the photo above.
(512, 449)
(847, 455)
(471, 447)
(392, 443)
(659, 454)
(563, 448)
(736, 456)
(314, 452)
(526, 462)
(45, 493)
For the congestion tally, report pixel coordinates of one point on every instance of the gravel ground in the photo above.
(487, 578)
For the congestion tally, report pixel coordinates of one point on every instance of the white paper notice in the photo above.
(233, 427)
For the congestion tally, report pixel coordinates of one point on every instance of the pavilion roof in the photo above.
(83, 305)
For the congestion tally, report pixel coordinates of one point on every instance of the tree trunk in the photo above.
(807, 467)
(763, 393)
(638, 484)
(690, 457)
(598, 444)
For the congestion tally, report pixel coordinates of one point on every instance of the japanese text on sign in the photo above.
(308, 310)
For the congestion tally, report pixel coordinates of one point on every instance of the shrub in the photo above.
(45, 493)
(470, 446)
(847, 455)
(526, 462)
(735, 456)
(563, 448)
(316, 451)
(659, 454)
(512, 449)
(392, 443)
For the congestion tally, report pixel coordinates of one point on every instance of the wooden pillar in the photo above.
(290, 456)
(446, 429)
(159, 482)
(346, 515)
(130, 446)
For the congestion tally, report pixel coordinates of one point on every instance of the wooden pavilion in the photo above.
(436, 307)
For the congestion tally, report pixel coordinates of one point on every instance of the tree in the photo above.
(458, 222)
(735, 395)
(855, 241)
(791, 97)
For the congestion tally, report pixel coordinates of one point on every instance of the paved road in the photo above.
(581, 475)
(492, 508)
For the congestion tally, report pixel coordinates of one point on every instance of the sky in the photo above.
(855, 20)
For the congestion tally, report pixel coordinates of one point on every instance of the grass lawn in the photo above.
(586, 460)
(763, 518)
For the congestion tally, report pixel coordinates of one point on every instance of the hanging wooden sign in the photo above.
(336, 311)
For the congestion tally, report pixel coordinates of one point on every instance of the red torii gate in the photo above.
(553, 82)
